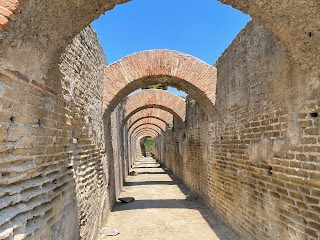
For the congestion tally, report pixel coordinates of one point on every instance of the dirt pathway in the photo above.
(161, 212)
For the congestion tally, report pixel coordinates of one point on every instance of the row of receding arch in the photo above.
(138, 70)
(150, 112)
(134, 71)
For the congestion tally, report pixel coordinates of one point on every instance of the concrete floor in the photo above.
(161, 212)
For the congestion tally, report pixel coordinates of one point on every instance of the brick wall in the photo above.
(37, 194)
(82, 66)
(53, 169)
(257, 163)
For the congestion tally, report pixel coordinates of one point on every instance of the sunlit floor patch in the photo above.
(161, 212)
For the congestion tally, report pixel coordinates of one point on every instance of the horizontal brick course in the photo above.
(51, 173)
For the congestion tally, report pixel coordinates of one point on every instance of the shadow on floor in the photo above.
(215, 223)
(149, 183)
(140, 162)
(144, 167)
(158, 203)
(152, 173)
(221, 228)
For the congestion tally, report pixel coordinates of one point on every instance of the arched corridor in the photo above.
(237, 158)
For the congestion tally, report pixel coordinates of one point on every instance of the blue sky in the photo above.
(202, 28)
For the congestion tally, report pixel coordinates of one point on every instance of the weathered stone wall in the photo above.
(120, 166)
(82, 66)
(37, 196)
(257, 164)
(52, 150)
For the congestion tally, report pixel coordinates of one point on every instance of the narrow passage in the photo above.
(161, 211)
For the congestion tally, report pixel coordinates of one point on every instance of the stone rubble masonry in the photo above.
(118, 156)
(36, 185)
(261, 194)
(82, 67)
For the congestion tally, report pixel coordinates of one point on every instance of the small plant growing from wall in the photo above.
(192, 103)
(184, 136)
(171, 126)
(162, 86)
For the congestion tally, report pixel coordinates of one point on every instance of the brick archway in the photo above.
(149, 112)
(145, 130)
(186, 72)
(146, 125)
(152, 98)
(139, 135)
(150, 119)
(279, 17)
(142, 136)
(145, 134)
(150, 127)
